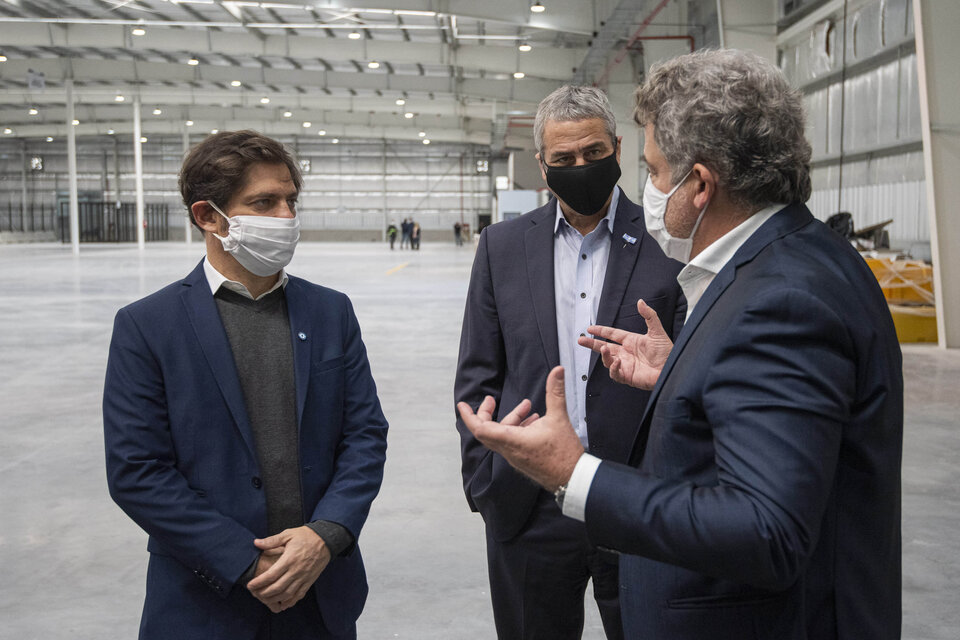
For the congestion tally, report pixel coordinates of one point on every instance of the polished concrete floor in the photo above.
(72, 565)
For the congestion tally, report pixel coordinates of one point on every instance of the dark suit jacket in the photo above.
(181, 459)
(509, 344)
(767, 502)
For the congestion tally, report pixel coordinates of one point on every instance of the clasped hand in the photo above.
(290, 562)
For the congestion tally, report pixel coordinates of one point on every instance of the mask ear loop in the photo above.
(218, 210)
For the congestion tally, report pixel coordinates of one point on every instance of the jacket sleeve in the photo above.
(480, 369)
(142, 472)
(774, 403)
(362, 450)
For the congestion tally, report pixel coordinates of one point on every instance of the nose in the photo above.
(580, 161)
(287, 211)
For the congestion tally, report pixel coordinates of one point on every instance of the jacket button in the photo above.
(256, 482)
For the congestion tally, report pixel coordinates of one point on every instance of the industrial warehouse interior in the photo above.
(419, 110)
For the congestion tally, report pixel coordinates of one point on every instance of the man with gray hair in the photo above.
(762, 499)
(538, 282)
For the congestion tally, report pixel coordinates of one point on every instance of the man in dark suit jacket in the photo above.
(538, 281)
(762, 495)
(242, 427)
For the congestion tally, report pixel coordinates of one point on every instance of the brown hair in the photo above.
(217, 168)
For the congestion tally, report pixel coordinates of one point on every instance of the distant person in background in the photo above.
(392, 234)
(458, 234)
(406, 229)
(242, 427)
(538, 282)
(415, 235)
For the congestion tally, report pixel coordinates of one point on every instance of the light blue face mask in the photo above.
(655, 208)
(263, 245)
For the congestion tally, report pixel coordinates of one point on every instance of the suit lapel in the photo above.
(538, 248)
(782, 223)
(205, 319)
(299, 326)
(620, 263)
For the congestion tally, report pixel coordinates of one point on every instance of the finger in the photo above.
(486, 408)
(519, 412)
(609, 333)
(269, 576)
(533, 417)
(609, 354)
(651, 318)
(556, 396)
(591, 343)
(615, 370)
(272, 542)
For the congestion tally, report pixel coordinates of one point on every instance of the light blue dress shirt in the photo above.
(579, 266)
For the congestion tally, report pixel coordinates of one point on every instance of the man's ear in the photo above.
(619, 147)
(543, 173)
(206, 216)
(706, 185)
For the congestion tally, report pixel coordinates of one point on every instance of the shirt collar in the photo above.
(216, 280)
(719, 253)
(607, 219)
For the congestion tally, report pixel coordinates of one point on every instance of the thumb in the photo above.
(556, 399)
(650, 317)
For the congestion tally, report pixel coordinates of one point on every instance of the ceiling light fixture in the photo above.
(33, 111)
(7, 131)
(408, 115)
(157, 111)
(373, 64)
(322, 132)
(189, 123)
(193, 62)
(525, 46)
(75, 122)
(537, 7)
(110, 132)
(235, 83)
(264, 100)
(49, 138)
(138, 31)
(214, 131)
(288, 114)
(3, 58)
(354, 35)
(426, 141)
(118, 98)
(143, 139)
(335, 141)
(401, 102)
(422, 134)
(519, 74)
(307, 125)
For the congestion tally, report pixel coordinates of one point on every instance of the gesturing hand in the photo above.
(304, 557)
(544, 449)
(634, 359)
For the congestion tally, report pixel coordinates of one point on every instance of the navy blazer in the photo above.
(181, 460)
(509, 344)
(767, 501)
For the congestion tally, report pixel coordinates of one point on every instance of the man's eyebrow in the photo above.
(273, 194)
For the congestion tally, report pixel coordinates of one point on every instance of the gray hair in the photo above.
(571, 102)
(734, 112)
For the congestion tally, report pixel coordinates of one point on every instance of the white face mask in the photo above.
(654, 209)
(263, 245)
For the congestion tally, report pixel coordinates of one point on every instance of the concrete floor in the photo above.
(73, 565)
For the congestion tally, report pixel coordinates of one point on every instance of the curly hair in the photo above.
(734, 112)
(570, 103)
(217, 168)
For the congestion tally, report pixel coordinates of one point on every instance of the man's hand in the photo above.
(545, 449)
(303, 557)
(634, 359)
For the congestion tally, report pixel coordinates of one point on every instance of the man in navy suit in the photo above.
(242, 427)
(762, 495)
(538, 282)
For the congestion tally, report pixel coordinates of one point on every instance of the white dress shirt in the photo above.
(216, 280)
(579, 267)
(694, 279)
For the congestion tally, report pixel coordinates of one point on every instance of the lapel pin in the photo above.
(302, 335)
(629, 239)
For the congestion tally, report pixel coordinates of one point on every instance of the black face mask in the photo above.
(585, 188)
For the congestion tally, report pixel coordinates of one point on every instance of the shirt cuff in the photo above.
(578, 487)
(334, 535)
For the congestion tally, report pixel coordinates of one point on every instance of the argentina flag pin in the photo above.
(628, 239)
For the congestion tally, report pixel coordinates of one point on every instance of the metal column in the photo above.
(72, 168)
(935, 24)
(187, 226)
(138, 172)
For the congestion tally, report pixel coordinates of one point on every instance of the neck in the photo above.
(721, 218)
(228, 266)
(584, 224)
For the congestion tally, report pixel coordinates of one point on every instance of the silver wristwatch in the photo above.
(559, 494)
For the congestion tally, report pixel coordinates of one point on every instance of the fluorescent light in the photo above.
(411, 12)
(138, 31)
(373, 64)
(287, 114)
(426, 141)
(354, 35)
(322, 132)
(193, 62)
(408, 115)
(118, 99)
(307, 125)
(335, 141)
(519, 74)
(422, 134)
(189, 123)
(401, 102)
(537, 8)
(525, 46)
(33, 111)
(75, 122)
(264, 100)
(7, 131)
(157, 111)
(213, 131)
(235, 83)
(143, 139)
(110, 132)
(3, 58)
(49, 138)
